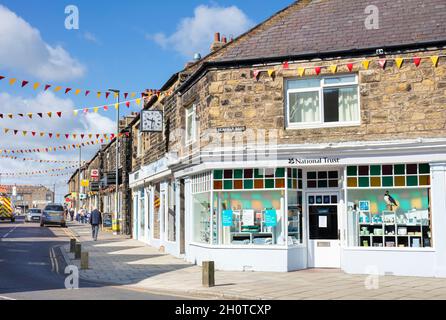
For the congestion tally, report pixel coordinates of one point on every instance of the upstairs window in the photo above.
(191, 125)
(320, 102)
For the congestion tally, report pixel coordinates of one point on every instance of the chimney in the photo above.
(217, 44)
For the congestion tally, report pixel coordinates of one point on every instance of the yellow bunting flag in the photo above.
(77, 91)
(6, 130)
(36, 85)
(75, 112)
(10, 115)
(30, 115)
(57, 89)
(434, 60)
(366, 64)
(12, 81)
(96, 109)
(24, 133)
(399, 62)
(49, 114)
(116, 94)
(90, 136)
(271, 72)
(42, 134)
(57, 135)
(99, 95)
(301, 71)
(138, 102)
(333, 68)
(132, 95)
(116, 106)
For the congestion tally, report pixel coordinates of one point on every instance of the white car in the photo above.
(33, 215)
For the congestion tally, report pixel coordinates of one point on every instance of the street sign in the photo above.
(82, 196)
(94, 173)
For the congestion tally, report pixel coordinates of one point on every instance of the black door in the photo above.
(323, 222)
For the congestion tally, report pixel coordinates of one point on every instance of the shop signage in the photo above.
(248, 217)
(321, 160)
(227, 218)
(364, 205)
(231, 129)
(94, 173)
(85, 183)
(270, 218)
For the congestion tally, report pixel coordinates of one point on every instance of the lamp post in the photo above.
(117, 217)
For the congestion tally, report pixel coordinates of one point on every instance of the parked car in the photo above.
(33, 215)
(53, 214)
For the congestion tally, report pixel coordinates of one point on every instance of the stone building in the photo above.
(305, 142)
(28, 197)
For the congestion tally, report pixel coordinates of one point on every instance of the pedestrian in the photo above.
(95, 221)
(72, 214)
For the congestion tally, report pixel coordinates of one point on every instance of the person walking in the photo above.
(95, 221)
(72, 214)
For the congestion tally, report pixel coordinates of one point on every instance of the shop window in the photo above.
(250, 217)
(394, 210)
(322, 101)
(295, 236)
(202, 218)
(171, 214)
(157, 212)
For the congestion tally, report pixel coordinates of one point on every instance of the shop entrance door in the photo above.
(324, 249)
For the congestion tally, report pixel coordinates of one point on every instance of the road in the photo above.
(31, 268)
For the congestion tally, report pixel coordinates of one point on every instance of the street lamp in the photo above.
(117, 93)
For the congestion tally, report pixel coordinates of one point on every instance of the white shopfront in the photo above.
(322, 207)
(156, 215)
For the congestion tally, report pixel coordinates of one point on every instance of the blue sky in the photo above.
(128, 45)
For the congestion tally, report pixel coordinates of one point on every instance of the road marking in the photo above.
(10, 231)
(53, 259)
(7, 298)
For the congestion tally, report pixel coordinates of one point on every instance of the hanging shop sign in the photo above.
(231, 129)
(94, 173)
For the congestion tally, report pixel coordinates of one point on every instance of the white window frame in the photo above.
(320, 90)
(139, 144)
(191, 112)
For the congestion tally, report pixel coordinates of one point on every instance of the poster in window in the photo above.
(227, 218)
(270, 218)
(248, 217)
(364, 205)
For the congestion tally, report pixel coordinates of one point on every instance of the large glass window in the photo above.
(389, 206)
(171, 221)
(202, 218)
(157, 212)
(320, 101)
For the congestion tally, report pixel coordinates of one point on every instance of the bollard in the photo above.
(77, 251)
(84, 260)
(208, 274)
(72, 245)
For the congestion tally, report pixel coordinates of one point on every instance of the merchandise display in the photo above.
(252, 228)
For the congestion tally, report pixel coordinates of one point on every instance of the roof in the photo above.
(339, 25)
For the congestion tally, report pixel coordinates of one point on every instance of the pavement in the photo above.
(124, 262)
(32, 268)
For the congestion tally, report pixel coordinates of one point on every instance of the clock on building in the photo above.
(151, 121)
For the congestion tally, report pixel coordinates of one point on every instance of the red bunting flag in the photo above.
(67, 90)
(350, 67)
(112, 136)
(286, 65)
(126, 95)
(67, 136)
(105, 108)
(2, 77)
(1, 115)
(33, 133)
(107, 94)
(59, 114)
(47, 87)
(417, 61)
(87, 92)
(127, 104)
(82, 136)
(382, 63)
(318, 70)
(50, 135)
(24, 83)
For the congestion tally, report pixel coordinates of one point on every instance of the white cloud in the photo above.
(195, 34)
(23, 48)
(90, 37)
(45, 102)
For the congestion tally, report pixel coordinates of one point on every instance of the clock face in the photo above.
(151, 121)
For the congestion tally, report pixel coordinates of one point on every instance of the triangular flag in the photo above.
(42, 134)
(365, 64)
(33, 133)
(116, 106)
(24, 83)
(30, 115)
(77, 91)
(67, 136)
(40, 114)
(90, 136)
(67, 90)
(286, 65)
(50, 135)
(57, 89)
(59, 114)
(105, 108)
(107, 94)
(138, 101)
(47, 87)
(12, 81)
(99, 94)
(417, 61)
(75, 112)
(49, 114)
(2, 77)
(86, 110)
(36, 85)
(57, 135)
(96, 109)
(15, 131)
(382, 63)
(6, 130)
(301, 71)
(87, 92)
(126, 95)
(24, 133)
(271, 72)
(127, 104)
(399, 62)
(116, 94)
(10, 115)
(350, 66)
(74, 136)
(256, 74)
(132, 95)
(333, 68)
(434, 60)
(317, 70)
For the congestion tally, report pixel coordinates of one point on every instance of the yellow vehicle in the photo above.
(7, 210)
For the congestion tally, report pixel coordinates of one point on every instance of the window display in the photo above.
(295, 217)
(202, 218)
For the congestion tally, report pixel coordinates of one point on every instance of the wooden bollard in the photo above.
(72, 245)
(208, 274)
(84, 260)
(77, 251)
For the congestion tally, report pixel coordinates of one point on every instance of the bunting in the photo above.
(41, 160)
(57, 135)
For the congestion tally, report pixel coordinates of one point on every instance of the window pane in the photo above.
(304, 107)
(340, 80)
(341, 104)
(303, 84)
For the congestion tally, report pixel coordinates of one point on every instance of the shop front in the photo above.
(358, 215)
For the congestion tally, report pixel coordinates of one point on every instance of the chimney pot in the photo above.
(217, 37)
(224, 39)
